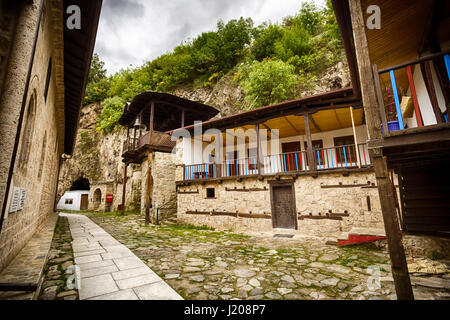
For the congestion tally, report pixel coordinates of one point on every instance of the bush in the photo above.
(111, 113)
(268, 82)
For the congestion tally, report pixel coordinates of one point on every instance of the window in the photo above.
(211, 193)
(290, 147)
(47, 81)
(350, 152)
(43, 151)
(69, 201)
(27, 136)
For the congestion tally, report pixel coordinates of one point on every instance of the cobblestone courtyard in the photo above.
(204, 264)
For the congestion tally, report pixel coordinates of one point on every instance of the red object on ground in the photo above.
(109, 198)
(356, 239)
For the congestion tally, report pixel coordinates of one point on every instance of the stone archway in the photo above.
(97, 198)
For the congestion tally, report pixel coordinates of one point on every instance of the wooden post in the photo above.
(396, 251)
(148, 188)
(309, 151)
(356, 139)
(258, 150)
(182, 119)
(149, 180)
(124, 188)
(376, 78)
(429, 84)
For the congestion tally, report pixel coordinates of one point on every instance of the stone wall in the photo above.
(164, 194)
(36, 173)
(311, 198)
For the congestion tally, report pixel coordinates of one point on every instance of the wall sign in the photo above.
(15, 200)
(109, 198)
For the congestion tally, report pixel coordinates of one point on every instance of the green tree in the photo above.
(111, 113)
(264, 46)
(268, 82)
(98, 84)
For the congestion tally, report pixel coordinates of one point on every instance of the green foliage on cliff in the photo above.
(272, 62)
(112, 110)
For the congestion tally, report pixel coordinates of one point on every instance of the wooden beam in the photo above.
(315, 124)
(291, 124)
(18, 287)
(396, 251)
(337, 118)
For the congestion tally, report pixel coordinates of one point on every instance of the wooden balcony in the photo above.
(415, 123)
(134, 149)
(335, 158)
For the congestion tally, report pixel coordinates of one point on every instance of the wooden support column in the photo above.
(124, 188)
(309, 151)
(149, 180)
(182, 119)
(148, 188)
(258, 150)
(386, 193)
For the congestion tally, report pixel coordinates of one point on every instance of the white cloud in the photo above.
(135, 31)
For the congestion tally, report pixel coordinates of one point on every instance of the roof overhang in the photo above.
(342, 98)
(168, 111)
(78, 50)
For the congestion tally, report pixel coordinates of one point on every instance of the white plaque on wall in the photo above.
(15, 200)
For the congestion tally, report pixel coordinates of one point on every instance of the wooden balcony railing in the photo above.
(286, 162)
(326, 158)
(157, 141)
(342, 157)
(394, 110)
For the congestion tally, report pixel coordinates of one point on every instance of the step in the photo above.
(361, 235)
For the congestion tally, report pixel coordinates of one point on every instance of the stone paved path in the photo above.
(109, 270)
(204, 264)
(28, 265)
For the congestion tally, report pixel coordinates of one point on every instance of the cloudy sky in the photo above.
(134, 31)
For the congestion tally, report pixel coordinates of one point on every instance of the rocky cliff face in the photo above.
(97, 156)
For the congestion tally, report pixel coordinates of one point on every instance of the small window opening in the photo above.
(210, 193)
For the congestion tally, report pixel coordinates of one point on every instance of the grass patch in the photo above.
(188, 227)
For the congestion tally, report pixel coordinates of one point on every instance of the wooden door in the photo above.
(84, 202)
(283, 206)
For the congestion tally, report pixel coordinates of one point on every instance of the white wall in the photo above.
(193, 155)
(76, 203)
(426, 109)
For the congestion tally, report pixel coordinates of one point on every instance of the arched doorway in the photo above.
(97, 198)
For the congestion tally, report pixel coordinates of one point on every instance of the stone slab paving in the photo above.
(28, 265)
(109, 270)
(203, 264)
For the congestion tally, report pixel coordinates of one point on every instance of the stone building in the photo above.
(43, 73)
(299, 167)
